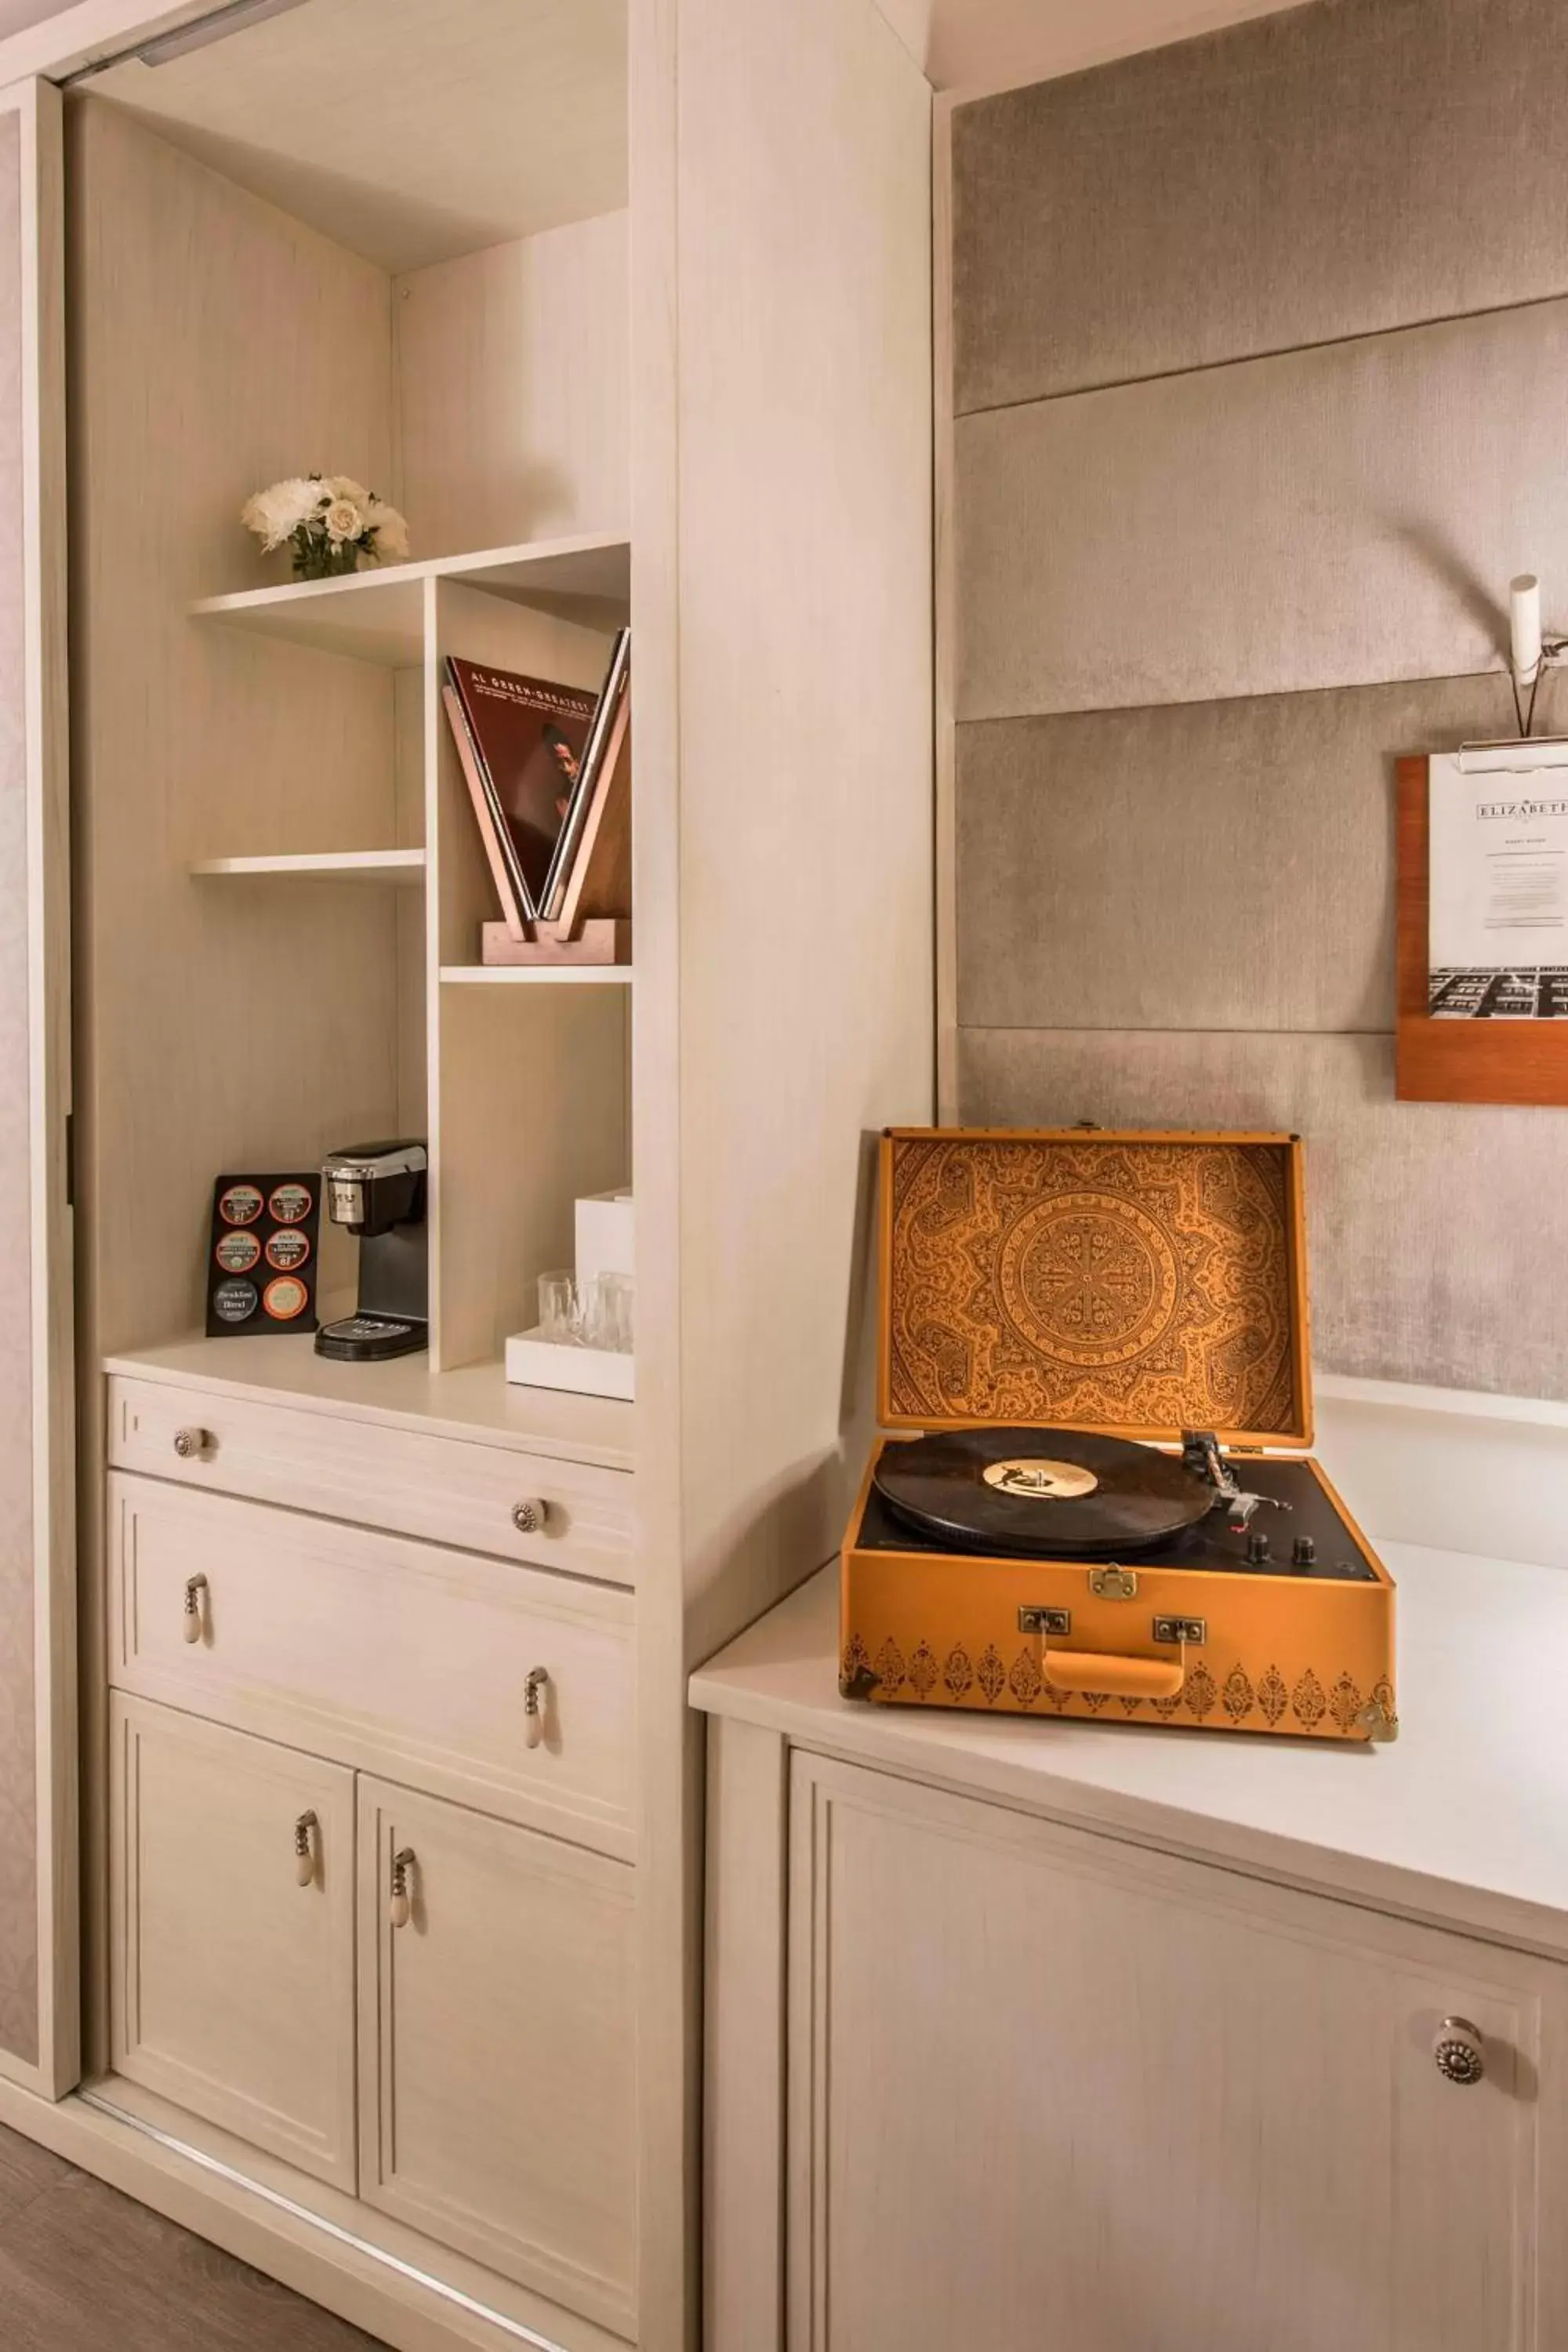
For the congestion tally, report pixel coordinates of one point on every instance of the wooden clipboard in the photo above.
(1518, 1061)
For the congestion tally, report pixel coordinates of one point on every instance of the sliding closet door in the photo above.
(39, 1959)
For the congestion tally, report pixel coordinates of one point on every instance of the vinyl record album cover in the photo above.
(528, 737)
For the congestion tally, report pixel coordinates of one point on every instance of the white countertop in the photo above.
(1463, 1820)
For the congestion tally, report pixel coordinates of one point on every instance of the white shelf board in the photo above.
(402, 866)
(536, 976)
(379, 615)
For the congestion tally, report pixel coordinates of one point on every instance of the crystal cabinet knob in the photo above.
(529, 1516)
(1459, 2050)
(304, 1851)
(190, 1445)
(401, 1863)
(193, 1617)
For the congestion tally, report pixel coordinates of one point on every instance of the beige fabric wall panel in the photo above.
(1423, 1265)
(1204, 865)
(1324, 173)
(19, 1728)
(1338, 516)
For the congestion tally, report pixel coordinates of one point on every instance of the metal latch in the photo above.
(1045, 1621)
(1113, 1583)
(1177, 1630)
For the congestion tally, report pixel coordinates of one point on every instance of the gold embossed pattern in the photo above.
(1269, 1706)
(1100, 1282)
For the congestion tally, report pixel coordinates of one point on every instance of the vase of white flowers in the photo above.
(329, 523)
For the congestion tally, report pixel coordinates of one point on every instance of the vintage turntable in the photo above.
(1097, 1335)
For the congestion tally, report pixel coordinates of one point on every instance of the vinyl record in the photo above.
(1039, 1493)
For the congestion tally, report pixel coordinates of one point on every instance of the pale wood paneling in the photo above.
(1204, 865)
(805, 759)
(18, 1716)
(783, 696)
(513, 389)
(1421, 1262)
(1336, 516)
(265, 350)
(1316, 174)
(39, 1975)
(442, 161)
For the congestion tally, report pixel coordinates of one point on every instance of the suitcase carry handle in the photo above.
(1096, 1670)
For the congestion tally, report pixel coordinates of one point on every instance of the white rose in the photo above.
(343, 486)
(343, 520)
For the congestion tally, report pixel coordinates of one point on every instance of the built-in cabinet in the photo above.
(232, 1925)
(498, 2074)
(1037, 2072)
(371, 1835)
(348, 1800)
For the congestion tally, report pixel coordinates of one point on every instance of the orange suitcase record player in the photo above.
(1095, 1336)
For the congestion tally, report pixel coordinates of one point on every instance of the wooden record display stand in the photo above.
(594, 925)
(1515, 1062)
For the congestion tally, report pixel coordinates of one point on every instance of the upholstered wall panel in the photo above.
(18, 1788)
(1204, 865)
(1331, 170)
(1336, 516)
(1261, 343)
(1438, 1234)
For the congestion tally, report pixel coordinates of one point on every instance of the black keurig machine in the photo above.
(377, 1190)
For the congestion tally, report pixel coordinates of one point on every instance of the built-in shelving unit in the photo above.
(404, 867)
(537, 289)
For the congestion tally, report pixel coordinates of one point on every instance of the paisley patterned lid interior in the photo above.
(1145, 1284)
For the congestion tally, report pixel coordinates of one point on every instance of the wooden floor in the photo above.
(83, 2269)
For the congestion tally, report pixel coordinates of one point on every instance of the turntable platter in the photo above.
(1039, 1493)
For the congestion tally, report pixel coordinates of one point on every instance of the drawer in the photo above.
(394, 1657)
(377, 1473)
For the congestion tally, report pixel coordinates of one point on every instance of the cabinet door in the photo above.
(1051, 2093)
(40, 1965)
(232, 1928)
(497, 2089)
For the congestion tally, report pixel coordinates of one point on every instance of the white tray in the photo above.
(533, 1363)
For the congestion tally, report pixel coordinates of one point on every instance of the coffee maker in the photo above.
(377, 1190)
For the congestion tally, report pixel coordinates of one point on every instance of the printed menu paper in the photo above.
(1497, 924)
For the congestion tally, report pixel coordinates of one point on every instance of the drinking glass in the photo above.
(558, 1308)
(609, 1317)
